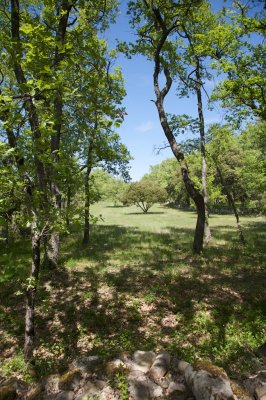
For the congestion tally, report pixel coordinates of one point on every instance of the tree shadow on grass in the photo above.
(131, 289)
(141, 213)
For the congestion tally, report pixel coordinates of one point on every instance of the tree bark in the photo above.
(52, 240)
(193, 192)
(31, 294)
(231, 202)
(160, 65)
(51, 250)
(86, 231)
(41, 203)
(207, 230)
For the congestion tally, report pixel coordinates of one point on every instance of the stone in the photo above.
(65, 395)
(108, 394)
(160, 366)
(141, 387)
(175, 387)
(86, 363)
(260, 393)
(8, 393)
(255, 381)
(51, 384)
(34, 392)
(240, 391)
(113, 366)
(132, 366)
(144, 358)
(181, 366)
(70, 380)
(91, 388)
(207, 385)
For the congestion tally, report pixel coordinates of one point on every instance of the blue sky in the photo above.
(141, 130)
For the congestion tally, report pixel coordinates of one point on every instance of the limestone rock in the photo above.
(51, 384)
(86, 363)
(70, 380)
(91, 388)
(35, 392)
(208, 384)
(175, 387)
(8, 393)
(65, 395)
(108, 394)
(160, 366)
(113, 366)
(260, 393)
(240, 391)
(141, 387)
(144, 358)
(255, 381)
(181, 366)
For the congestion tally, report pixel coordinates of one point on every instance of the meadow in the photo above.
(137, 285)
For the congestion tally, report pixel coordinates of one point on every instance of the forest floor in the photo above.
(137, 285)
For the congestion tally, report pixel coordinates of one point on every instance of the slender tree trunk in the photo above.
(68, 205)
(207, 230)
(86, 231)
(41, 180)
(159, 66)
(31, 294)
(231, 202)
(192, 190)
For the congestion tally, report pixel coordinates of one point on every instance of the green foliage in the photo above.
(144, 194)
(16, 366)
(108, 186)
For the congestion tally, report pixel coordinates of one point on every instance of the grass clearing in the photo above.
(137, 285)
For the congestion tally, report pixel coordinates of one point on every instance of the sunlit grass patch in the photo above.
(137, 285)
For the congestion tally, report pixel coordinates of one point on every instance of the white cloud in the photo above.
(145, 126)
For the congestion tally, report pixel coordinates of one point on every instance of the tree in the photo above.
(144, 194)
(221, 150)
(242, 92)
(49, 40)
(156, 26)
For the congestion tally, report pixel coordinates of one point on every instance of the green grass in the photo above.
(137, 285)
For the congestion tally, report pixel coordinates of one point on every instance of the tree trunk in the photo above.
(192, 191)
(68, 205)
(231, 202)
(51, 250)
(159, 66)
(207, 230)
(86, 231)
(199, 202)
(31, 294)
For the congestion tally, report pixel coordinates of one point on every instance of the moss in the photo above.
(209, 367)
(240, 392)
(68, 378)
(7, 393)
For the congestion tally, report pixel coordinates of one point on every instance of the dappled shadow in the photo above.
(131, 289)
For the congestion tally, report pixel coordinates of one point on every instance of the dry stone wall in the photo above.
(144, 375)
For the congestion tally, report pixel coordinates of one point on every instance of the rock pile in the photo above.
(144, 375)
